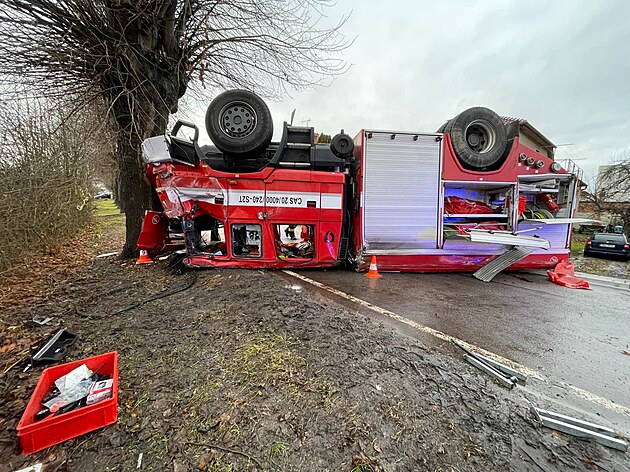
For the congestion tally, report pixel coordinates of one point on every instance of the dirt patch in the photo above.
(243, 371)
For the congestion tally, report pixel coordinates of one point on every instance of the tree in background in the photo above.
(140, 56)
(324, 138)
(611, 192)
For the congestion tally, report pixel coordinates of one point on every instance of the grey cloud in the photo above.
(563, 65)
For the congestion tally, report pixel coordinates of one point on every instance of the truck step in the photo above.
(505, 260)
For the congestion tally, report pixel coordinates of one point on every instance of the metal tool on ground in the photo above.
(31, 468)
(106, 254)
(502, 379)
(54, 349)
(579, 428)
(505, 375)
(41, 320)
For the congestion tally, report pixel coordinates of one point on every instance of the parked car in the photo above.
(607, 244)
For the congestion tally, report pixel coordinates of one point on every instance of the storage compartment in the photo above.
(475, 205)
(37, 435)
(547, 197)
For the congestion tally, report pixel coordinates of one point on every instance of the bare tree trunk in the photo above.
(625, 214)
(133, 189)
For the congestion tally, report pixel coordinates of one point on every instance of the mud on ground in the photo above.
(245, 372)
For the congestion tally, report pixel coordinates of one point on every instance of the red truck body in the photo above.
(393, 199)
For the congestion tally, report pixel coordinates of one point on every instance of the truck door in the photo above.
(401, 180)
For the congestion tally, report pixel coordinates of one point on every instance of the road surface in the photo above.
(577, 341)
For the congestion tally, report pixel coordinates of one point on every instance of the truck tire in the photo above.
(442, 128)
(478, 137)
(239, 123)
(342, 145)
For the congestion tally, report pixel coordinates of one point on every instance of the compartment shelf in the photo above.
(475, 215)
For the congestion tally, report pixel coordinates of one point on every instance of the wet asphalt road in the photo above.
(572, 336)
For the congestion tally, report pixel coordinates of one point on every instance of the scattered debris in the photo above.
(32, 468)
(53, 350)
(505, 375)
(106, 254)
(502, 379)
(139, 465)
(41, 321)
(579, 428)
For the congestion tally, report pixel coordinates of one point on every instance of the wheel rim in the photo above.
(480, 136)
(237, 119)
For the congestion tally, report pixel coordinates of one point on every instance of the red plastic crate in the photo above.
(35, 436)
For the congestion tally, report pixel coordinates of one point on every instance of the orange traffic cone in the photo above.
(373, 272)
(144, 258)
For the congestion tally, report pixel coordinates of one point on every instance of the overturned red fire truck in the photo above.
(481, 194)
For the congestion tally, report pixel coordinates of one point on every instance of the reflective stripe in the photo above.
(256, 198)
(331, 201)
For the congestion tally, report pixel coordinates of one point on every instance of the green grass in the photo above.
(577, 243)
(279, 449)
(105, 207)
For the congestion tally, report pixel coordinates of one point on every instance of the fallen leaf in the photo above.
(376, 446)
(626, 353)
(8, 347)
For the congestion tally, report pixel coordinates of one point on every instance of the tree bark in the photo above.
(133, 189)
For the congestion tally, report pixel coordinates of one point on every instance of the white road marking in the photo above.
(584, 394)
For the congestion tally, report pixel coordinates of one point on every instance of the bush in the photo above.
(46, 168)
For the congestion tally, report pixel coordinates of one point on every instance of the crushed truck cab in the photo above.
(452, 200)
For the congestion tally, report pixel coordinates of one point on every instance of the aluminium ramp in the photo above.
(505, 260)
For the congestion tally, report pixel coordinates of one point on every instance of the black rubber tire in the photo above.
(442, 128)
(259, 133)
(468, 156)
(342, 146)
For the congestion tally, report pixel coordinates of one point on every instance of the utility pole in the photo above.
(307, 121)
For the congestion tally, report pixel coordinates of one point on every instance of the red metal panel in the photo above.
(454, 262)
(331, 202)
(293, 201)
(512, 167)
(453, 170)
(328, 234)
(246, 198)
(153, 234)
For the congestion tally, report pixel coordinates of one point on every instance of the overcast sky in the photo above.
(562, 65)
